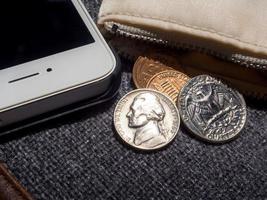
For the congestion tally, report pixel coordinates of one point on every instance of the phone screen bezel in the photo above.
(70, 69)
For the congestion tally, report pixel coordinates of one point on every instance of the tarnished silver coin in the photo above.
(146, 119)
(211, 110)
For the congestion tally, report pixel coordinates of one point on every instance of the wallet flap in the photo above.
(231, 27)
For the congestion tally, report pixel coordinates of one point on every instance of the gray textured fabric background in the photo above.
(80, 157)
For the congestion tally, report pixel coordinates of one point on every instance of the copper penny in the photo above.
(144, 69)
(168, 82)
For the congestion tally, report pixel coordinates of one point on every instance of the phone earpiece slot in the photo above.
(22, 78)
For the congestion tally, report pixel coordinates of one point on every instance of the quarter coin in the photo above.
(144, 69)
(212, 110)
(169, 82)
(146, 119)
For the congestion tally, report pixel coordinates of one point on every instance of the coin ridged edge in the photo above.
(136, 68)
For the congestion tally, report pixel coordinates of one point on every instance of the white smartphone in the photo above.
(51, 55)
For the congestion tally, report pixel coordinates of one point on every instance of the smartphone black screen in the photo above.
(32, 29)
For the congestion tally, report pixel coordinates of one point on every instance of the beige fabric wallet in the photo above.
(225, 38)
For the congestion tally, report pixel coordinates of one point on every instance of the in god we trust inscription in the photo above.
(146, 119)
(211, 110)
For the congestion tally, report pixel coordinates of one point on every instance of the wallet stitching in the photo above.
(186, 25)
(3, 174)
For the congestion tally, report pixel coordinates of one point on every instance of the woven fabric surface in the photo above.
(80, 157)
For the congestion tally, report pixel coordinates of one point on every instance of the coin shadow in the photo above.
(258, 104)
(136, 150)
